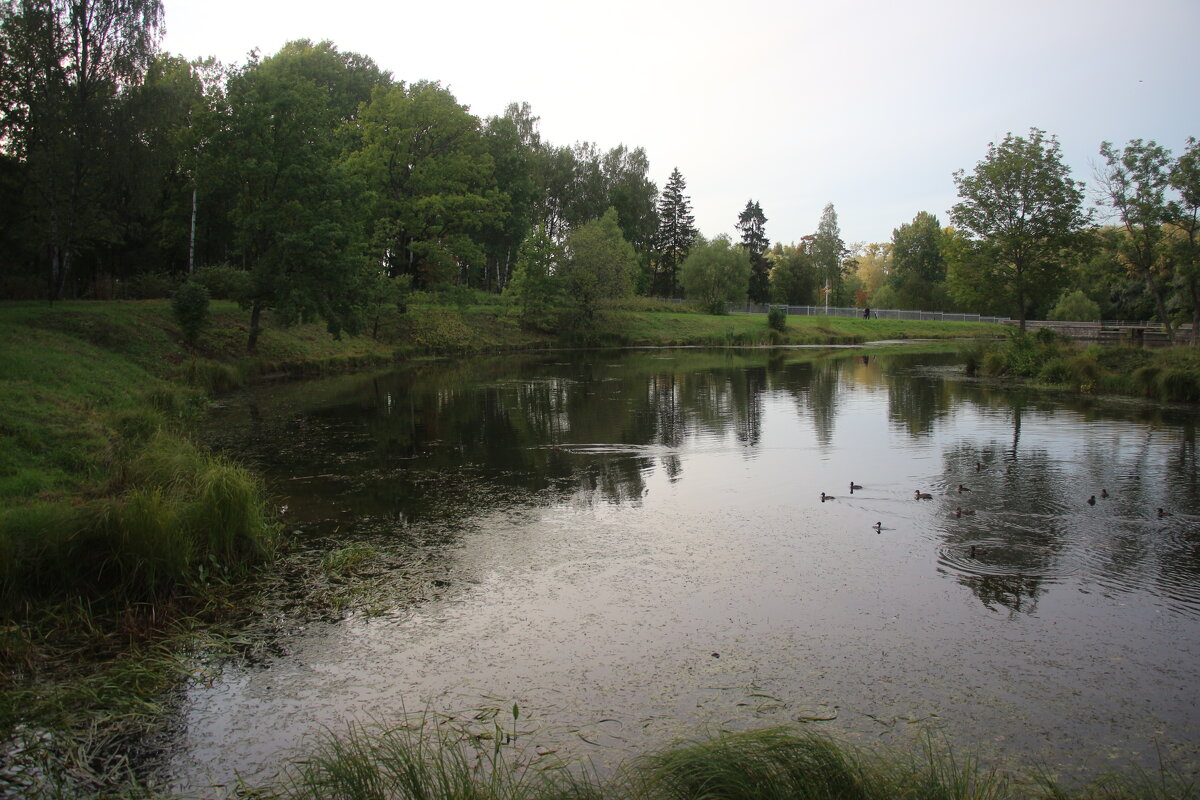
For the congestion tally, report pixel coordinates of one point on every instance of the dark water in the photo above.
(632, 547)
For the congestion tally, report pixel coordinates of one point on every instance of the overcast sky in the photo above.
(868, 104)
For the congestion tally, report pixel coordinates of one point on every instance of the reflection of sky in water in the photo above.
(720, 592)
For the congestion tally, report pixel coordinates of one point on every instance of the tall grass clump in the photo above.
(212, 377)
(429, 762)
(173, 516)
(756, 765)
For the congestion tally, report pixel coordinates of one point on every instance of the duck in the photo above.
(825, 497)
(1104, 494)
(963, 512)
(979, 466)
(854, 486)
(962, 489)
(878, 526)
(1091, 501)
(1162, 513)
(919, 495)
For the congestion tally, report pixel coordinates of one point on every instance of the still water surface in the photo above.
(633, 547)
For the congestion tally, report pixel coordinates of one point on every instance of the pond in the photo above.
(632, 546)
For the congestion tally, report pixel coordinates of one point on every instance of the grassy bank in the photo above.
(1047, 359)
(768, 764)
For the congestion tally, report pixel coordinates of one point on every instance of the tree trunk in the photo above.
(1161, 303)
(255, 317)
(1194, 286)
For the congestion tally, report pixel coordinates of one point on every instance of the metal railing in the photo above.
(876, 313)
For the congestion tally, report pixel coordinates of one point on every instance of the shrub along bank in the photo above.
(1048, 359)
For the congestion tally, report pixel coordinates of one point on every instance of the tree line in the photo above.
(314, 184)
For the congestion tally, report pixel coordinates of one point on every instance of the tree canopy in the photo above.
(1021, 203)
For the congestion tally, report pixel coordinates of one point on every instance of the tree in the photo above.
(716, 273)
(752, 223)
(874, 268)
(64, 64)
(1134, 184)
(1185, 218)
(1022, 202)
(535, 286)
(918, 266)
(793, 275)
(297, 213)
(425, 159)
(676, 232)
(600, 264)
(827, 252)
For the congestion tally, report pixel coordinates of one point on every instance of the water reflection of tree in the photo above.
(1035, 524)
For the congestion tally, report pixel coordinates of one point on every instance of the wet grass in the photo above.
(436, 759)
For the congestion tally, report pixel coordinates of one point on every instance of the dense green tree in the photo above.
(827, 251)
(676, 232)
(535, 287)
(63, 66)
(425, 159)
(793, 275)
(752, 224)
(715, 274)
(1075, 306)
(511, 140)
(918, 267)
(1185, 219)
(1021, 201)
(1134, 184)
(297, 219)
(599, 266)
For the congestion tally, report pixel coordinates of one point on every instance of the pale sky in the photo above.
(868, 104)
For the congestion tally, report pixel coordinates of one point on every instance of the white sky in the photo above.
(868, 104)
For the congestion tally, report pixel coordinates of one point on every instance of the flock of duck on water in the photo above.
(966, 512)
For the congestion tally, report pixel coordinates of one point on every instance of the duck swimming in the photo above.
(1162, 513)
(1091, 501)
(963, 512)
(962, 489)
(878, 526)
(854, 486)
(919, 495)
(825, 497)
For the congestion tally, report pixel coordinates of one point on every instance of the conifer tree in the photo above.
(676, 232)
(752, 223)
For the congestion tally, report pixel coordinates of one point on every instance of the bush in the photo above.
(224, 282)
(190, 307)
(1075, 307)
(148, 286)
(777, 318)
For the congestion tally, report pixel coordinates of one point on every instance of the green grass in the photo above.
(439, 761)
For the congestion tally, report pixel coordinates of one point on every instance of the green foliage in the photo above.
(827, 252)
(534, 288)
(752, 223)
(600, 266)
(676, 233)
(777, 318)
(1075, 307)
(189, 305)
(225, 282)
(1022, 203)
(148, 286)
(793, 275)
(715, 274)
(918, 266)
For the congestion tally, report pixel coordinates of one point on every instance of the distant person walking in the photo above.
(867, 312)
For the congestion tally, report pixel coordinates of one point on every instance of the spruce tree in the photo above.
(676, 232)
(752, 223)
